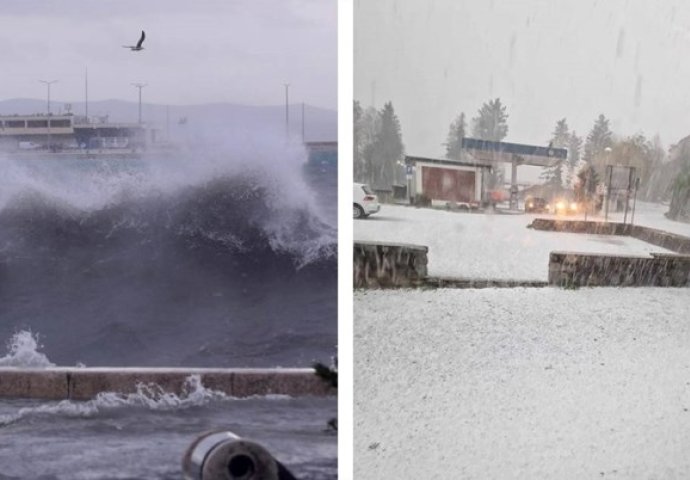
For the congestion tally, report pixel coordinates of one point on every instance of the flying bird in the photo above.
(137, 47)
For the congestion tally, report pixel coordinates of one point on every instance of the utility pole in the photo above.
(48, 83)
(302, 122)
(139, 86)
(287, 115)
(86, 94)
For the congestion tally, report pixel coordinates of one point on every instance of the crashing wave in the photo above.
(22, 352)
(149, 396)
(239, 214)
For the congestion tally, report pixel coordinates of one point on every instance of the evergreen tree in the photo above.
(560, 138)
(387, 148)
(491, 123)
(455, 135)
(655, 184)
(598, 140)
(357, 131)
(370, 124)
(586, 185)
(574, 148)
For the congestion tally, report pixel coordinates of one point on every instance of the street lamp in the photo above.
(139, 86)
(48, 83)
(287, 118)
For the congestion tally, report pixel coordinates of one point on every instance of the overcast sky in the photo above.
(239, 51)
(545, 59)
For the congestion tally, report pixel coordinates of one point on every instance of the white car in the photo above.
(364, 200)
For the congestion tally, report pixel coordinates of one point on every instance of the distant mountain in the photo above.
(319, 123)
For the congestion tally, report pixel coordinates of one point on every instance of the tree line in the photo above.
(379, 150)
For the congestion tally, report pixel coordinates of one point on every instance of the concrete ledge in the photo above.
(571, 270)
(388, 265)
(450, 282)
(50, 385)
(669, 241)
(85, 383)
(580, 226)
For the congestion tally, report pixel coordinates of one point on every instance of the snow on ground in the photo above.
(652, 215)
(486, 245)
(522, 383)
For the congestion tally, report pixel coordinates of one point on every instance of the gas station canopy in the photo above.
(489, 151)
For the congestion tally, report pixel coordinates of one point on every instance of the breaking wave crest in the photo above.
(147, 396)
(189, 260)
(233, 215)
(22, 352)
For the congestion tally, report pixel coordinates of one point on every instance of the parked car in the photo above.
(536, 205)
(365, 201)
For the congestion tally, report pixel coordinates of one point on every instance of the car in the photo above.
(536, 205)
(563, 206)
(365, 201)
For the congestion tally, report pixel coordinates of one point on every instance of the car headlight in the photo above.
(573, 206)
(560, 206)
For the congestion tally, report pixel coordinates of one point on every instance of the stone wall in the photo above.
(85, 383)
(670, 241)
(388, 265)
(571, 270)
(451, 282)
(580, 226)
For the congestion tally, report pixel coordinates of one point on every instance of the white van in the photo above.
(364, 200)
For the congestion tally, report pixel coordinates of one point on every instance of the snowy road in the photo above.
(488, 245)
(522, 383)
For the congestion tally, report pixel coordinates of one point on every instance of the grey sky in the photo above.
(545, 59)
(239, 51)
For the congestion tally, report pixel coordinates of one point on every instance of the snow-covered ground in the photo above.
(652, 215)
(492, 245)
(519, 383)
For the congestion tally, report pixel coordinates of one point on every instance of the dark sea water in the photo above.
(137, 263)
(184, 260)
(143, 437)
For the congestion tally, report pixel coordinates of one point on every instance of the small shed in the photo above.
(447, 181)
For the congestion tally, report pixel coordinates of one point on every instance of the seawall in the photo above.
(60, 383)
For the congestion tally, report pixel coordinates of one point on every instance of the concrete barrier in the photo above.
(669, 241)
(450, 282)
(60, 383)
(389, 265)
(580, 226)
(571, 269)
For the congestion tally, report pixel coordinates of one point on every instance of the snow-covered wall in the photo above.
(568, 269)
(670, 241)
(381, 265)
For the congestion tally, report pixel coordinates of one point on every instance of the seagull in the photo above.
(137, 47)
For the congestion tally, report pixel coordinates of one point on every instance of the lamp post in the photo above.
(287, 117)
(48, 83)
(139, 86)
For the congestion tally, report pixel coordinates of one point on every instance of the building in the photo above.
(447, 182)
(70, 133)
(322, 153)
